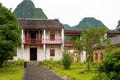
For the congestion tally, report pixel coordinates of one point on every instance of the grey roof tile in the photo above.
(28, 23)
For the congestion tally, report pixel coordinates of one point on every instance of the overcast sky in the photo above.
(73, 11)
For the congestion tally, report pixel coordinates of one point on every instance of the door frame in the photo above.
(33, 53)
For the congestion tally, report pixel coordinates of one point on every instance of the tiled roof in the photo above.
(115, 40)
(73, 32)
(28, 23)
(114, 31)
(79, 31)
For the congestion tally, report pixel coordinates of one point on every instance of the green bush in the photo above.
(104, 76)
(18, 62)
(111, 65)
(67, 59)
(115, 76)
(13, 63)
(51, 63)
(101, 76)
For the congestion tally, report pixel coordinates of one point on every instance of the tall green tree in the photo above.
(78, 46)
(90, 40)
(10, 34)
(111, 65)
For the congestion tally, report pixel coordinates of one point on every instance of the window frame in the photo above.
(52, 35)
(96, 56)
(52, 52)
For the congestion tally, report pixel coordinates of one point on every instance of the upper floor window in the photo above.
(52, 35)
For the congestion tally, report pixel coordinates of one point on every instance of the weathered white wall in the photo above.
(40, 54)
(58, 52)
(83, 56)
(19, 54)
(27, 53)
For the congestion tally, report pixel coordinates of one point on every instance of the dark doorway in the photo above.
(33, 36)
(33, 53)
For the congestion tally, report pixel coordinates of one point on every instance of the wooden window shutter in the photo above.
(52, 52)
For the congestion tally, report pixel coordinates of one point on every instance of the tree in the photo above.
(89, 41)
(10, 34)
(78, 46)
(111, 65)
(67, 59)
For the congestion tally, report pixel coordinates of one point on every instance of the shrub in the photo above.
(67, 59)
(115, 76)
(101, 76)
(111, 65)
(13, 63)
(51, 63)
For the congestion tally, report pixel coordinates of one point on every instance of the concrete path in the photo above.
(34, 72)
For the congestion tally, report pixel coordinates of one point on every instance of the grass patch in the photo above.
(11, 74)
(12, 70)
(77, 71)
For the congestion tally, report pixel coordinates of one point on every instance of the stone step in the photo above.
(33, 62)
(29, 63)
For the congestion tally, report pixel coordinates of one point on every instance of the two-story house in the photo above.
(41, 39)
(44, 39)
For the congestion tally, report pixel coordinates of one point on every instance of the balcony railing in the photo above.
(69, 44)
(56, 41)
(33, 41)
(41, 41)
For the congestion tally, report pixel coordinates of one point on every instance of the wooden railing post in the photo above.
(56, 34)
(48, 34)
(38, 37)
(27, 34)
(39, 34)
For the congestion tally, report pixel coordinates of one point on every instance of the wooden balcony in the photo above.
(69, 44)
(32, 41)
(41, 41)
(55, 41)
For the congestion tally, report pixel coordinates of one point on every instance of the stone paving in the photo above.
(35, 72)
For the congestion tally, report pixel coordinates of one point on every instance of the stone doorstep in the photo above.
(27, 63)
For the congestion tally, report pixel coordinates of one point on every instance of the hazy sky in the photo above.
(73, 11)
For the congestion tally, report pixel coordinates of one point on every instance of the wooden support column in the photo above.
(22, 36)
(62, 36)
(44, 46)
(22, 51)
(27, 33)
(48, 34)
(56, 34)
(39, 34)
(22, 46)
